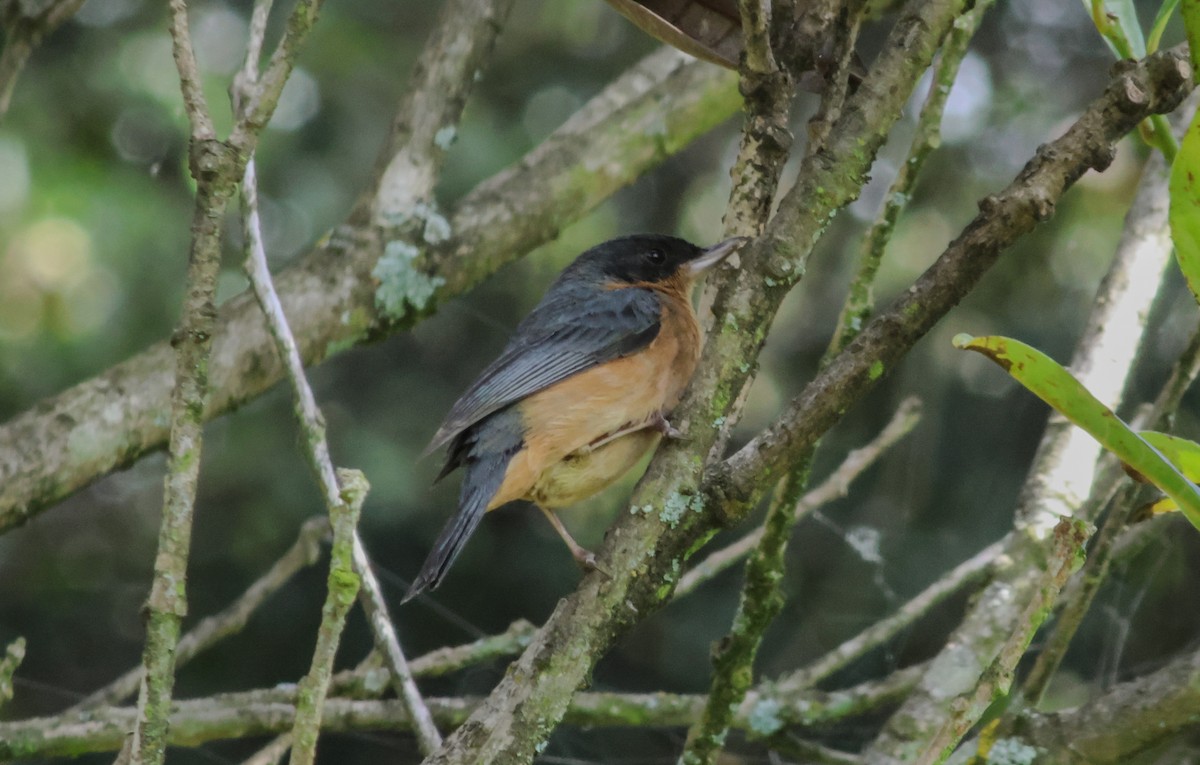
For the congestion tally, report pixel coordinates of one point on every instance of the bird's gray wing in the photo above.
(567, 333)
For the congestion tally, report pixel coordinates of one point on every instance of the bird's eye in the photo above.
(655, 256)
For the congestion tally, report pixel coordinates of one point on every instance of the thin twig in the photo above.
(965, 711)
(387, 643)
(312, 423)
(25, 26)
(970, 572)
(214, 169)
(261, 100)
(303, 553)
(859, 299)
(13, 655)
(836, 485)
(194, 102)
(343, 586)
(363, 682)
(246, 80)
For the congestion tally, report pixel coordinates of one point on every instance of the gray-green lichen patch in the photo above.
(677, 504)
(402, 286)
(764, 718)
(444, 138)
(1010, 751)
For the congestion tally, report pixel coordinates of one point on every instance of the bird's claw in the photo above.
(588, 561)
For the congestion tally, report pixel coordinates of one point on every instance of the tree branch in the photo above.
(212, 165)
(23, 32)
(427, 120)
(342, 585)
(860, 301)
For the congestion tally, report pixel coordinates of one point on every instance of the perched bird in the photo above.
(580, 392)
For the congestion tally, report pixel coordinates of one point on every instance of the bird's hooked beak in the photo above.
(711, 256)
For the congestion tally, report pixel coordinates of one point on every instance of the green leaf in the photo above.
(1185, 205)
(1165, 11)
(1182, 453)
(1126, 17)
(1053, 384)
(1117, 22)
(1191, 25)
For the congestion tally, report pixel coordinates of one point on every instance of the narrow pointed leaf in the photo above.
(1185, 206)
(1050, 382)
(1165, 11)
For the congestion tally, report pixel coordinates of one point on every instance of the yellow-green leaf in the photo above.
(1050, 382)
(1184, 454)
(1185, 206)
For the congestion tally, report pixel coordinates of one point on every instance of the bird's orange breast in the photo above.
(555, 468)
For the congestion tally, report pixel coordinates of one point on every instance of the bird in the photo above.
(581, 391)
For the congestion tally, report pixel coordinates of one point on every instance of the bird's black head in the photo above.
(647, 259)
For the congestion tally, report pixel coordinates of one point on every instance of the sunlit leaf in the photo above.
(1050, 382)
(1191, 25)
(1183, 453)
(1165, 11)
(1185, 206)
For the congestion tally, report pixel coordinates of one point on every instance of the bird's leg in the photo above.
(584, 557)
(655, 421)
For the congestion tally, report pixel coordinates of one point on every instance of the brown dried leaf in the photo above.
(707, 29)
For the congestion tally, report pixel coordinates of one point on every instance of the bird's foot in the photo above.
(664, 426)
(584, 557)
(588, 561)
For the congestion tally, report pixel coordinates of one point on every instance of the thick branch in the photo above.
(1131, 717)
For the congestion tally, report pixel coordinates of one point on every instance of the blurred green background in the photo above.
(94, 211)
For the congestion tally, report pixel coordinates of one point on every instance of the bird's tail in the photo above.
(481, 482)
